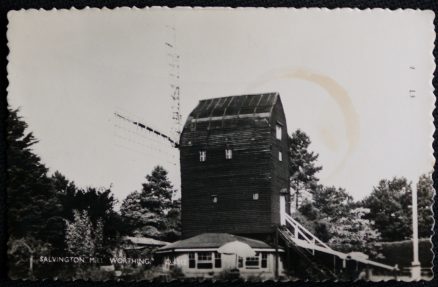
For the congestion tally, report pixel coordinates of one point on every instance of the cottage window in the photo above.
(278, 131)
(214, 198)
(264, 260)
(252, 262)
(192, 260)
(217, 260)
(280, 156)
(202, 155)
(228, 153)
(204, 260)
(255, 196)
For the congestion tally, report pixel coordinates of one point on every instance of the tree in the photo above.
(173, 218)
(328, 205)
(23, 256)
(331, 202)
(97, 202)
(389, 205)
(31, 198)
(354, 233)
(303, 168)
(152, 212)
(425, 193)
(83, 238)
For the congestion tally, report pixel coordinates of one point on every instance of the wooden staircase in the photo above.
(309, 248)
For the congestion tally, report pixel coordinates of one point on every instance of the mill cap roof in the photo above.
(226, 112)
(235, 105)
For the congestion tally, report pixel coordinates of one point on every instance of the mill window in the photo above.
(228, 153)
(214, 198)
(280, 156)
(255, 196)
(278, 131)
(202, 155)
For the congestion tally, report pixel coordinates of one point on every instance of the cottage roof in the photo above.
(145, 241)
(213, 240)
(232, 107)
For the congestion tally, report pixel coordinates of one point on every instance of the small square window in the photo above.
(255, 196)
(214, 198)
(228, 153)
(278, 131)
(280, 156)
(202, 155)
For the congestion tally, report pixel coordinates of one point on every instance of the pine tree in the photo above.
(303, 168)
(31, 199)
(152, 212)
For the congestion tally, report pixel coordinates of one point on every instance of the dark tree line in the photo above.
(47, 212)
(333, 215)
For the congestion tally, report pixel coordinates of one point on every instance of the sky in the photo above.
(359, 83)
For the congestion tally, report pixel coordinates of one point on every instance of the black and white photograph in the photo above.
(220, 144)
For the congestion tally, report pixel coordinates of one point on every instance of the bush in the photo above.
(93, 273)
(176, 272)
(229, 275)
(400, 252)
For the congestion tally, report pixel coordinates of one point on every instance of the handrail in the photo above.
(309, 244)
(294, 223)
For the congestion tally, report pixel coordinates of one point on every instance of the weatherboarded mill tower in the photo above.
(234, 166)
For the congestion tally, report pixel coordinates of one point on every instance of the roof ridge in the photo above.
(244, 95)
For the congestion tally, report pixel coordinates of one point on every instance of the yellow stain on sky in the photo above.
(337, 93)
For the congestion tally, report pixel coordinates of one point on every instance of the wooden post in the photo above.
(416, 267)
(276, 252)
(368, 272)
(334, 264)
(288, 256)
(395, 272)
(297, 193)
(31, 265)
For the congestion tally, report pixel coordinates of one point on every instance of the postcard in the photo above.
(220, 144)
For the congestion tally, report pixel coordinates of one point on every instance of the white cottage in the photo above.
(208, 254)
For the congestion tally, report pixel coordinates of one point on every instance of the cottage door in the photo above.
(282, 209)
